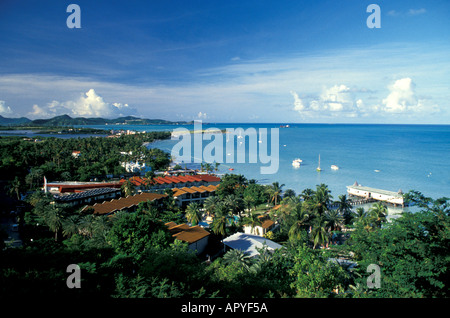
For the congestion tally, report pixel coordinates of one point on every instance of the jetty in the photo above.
(372, 194)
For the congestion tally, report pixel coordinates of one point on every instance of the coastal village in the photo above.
(136, 220)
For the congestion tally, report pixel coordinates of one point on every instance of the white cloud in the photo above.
(89, 104)
(417, 11)
(298, 104)
(401, 97)
(201, 115)
(410, 12)
(4, 110)
(332, 101)
(337, 99)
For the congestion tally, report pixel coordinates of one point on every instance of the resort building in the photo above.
(260, 230)
(186, 195)
(195, 236)
(129, 204)
(87, 196)
(395, 198)
(75, 186)
(160, 184)
(249, 243)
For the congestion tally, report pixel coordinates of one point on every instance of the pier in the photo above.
(372, 194)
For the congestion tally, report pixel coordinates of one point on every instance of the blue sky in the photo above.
(227, 61)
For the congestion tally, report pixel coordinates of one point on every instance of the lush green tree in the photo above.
(319, 232)
(234, 203)
(334, 220)
(289, 193)
(253, 220)
(321, 199)
(133, 233)
(275, 191)
(211, 203)
(256, 192)
(232, 184)
(193, 214)
(239, 257)
(412, 252)
(345, 208)
(378, 213)
(314, 275)
(128, 188)
(360, 215)
(307, 194)
(53, 218)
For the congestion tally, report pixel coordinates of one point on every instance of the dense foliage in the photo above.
(133, 255)
(24, 163)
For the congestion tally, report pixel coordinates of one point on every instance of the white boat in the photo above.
(334, 167)
(318, 167)
(297, 162)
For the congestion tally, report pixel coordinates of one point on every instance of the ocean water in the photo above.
(390, 157)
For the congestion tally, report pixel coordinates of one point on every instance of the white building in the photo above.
(261, 230)
(395, 198)
(195, 236)
(249, 243)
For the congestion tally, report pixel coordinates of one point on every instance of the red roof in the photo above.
(173, 179)
(208, 178)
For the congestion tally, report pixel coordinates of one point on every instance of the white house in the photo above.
(261, 230)
(249, 243)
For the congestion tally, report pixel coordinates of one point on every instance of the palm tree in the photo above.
(239, 257)
(301, 223)
(345, 208)
(128, 188)
(249, 202)
(307, 194)
(378, 213)
(253, 220)
(289, 193)
(70, 225)
(15, 187)
(193, 214)
(53, 219)
(211, 203)
(275, 192)
(234, 203)
(360, 215)
(334, 220)
(321, 199)
(86, 225)
(319, 233)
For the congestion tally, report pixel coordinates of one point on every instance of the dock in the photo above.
(367, 193)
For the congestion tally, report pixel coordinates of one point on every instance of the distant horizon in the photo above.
(230, 122)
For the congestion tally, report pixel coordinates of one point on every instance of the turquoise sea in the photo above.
(390, 157)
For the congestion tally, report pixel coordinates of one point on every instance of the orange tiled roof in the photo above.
(184, 232)
(123, 203)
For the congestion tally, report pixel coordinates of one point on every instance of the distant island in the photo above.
(66, 120)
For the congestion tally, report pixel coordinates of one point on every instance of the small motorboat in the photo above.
(334, 167)
(297, 162)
